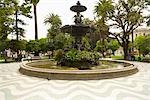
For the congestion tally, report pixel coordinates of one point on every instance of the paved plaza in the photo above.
(15, 86)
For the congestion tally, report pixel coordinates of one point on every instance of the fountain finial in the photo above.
(78, 3)
(78, 7)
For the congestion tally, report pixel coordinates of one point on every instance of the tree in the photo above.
(20, 10)
(87, 21)
(43, 43)
(113, 45)
(32, 46)
(142, 43)
(92, 36)
(125, 15)
(6, 12)
(85, 43)
(102, 30)
(34, 3)
(6, 20)
(54, 23)
(4, 44)
(69, 41)
(16, 45)
(101, 47)
(148, 17)
(59, 41)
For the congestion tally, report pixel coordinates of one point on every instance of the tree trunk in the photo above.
(113, 52)
(125, 50)
(36, 28)
(132, 43)
(35, 18)
(17, 35)
(36, 53)
(103, 54)
(16, 14)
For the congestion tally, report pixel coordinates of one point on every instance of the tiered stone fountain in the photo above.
(78, 30)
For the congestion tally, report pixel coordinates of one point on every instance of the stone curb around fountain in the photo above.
(78, 74)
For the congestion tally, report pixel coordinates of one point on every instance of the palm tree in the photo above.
(34, 3)
(102, 8)
(54, 22)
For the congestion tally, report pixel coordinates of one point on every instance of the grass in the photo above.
(141, 59)
(1, 58)
(117, 57)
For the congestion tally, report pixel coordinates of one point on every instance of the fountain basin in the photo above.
(76, 30)
(98, 74)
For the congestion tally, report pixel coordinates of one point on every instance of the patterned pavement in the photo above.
(14, 86)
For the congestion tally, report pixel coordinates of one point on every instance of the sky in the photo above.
(59, 7)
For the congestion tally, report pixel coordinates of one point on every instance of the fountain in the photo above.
(85, 68)
(79, 29)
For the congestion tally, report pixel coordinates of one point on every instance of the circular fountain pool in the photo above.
(106, 70)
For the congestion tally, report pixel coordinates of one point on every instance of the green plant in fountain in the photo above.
(79, 59)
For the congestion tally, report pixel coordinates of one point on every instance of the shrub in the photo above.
(58, 54)
(79, 59)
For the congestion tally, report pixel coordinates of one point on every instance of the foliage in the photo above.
(87, 21)
(6, 12)
(54, 22)
(69, 41)
(72, 55)
(113, 45)
(142, 43)
(58, 54)
(4, 45)
(56, 39)
(33, 46)
(148, 17)
(34, 2)
(125, 15)
(59, 41)
(79, 59)
(43, 44)
(20, 10)
(98, 46)
(103, 8)
(102, 31)
(16, 45)
(85, 43)
(101, 47)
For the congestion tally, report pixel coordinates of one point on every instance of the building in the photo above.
(140, 32)
(136, 33)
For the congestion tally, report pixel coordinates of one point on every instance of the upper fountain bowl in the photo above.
(78, 8)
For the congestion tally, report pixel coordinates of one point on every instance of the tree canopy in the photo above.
(142, 43)
(126, 15)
